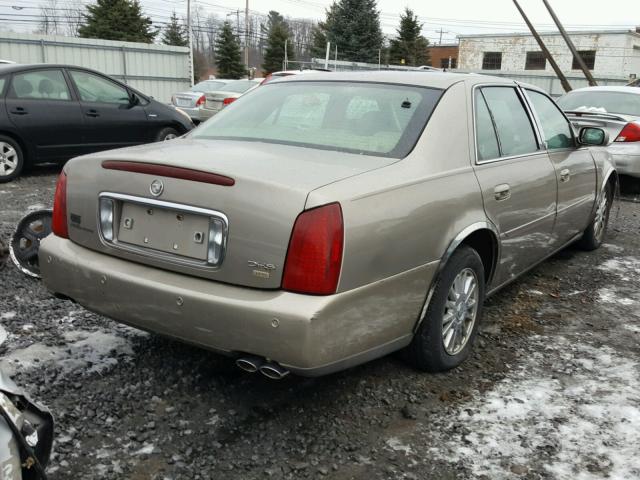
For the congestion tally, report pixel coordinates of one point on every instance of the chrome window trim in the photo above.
(159, 255)
(517, 88)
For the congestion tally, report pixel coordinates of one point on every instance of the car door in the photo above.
(111, 119)
(45, 113)
(575, 168)
(517, 179)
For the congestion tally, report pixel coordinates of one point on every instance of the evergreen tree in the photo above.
(117, 20)
(354, 26)
(278, 34)
(228, 57)
(174, 33)
(319, 40)
(410, 48)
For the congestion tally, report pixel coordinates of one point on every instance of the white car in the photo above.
(617, 111)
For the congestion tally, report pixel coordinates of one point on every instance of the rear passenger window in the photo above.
(555, 127)
(515, 132)
(486, 140)
(41, 84)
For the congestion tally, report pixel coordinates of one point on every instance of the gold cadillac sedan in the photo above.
(328, 219)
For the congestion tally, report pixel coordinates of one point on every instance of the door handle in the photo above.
(502, 192)
(92, 113)
(19, 111)
(565, 175)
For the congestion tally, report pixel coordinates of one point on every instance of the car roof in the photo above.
(420, 78)
(616, 88)
(18, 67)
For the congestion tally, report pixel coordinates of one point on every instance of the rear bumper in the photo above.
(627, 164)
(309, 335)
(194, 113)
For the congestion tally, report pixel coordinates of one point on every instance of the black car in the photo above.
(55, 112)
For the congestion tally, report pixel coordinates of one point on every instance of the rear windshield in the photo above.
(208, 86)
(603, 102)
(239, 86)
(367, 118)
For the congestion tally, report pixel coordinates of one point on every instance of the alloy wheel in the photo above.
(8, 159)
(600, 222)
(460, 311)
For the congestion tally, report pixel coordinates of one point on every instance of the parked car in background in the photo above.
(326, 220)
(219, 99)
(288, 73)
(192, 101)
(26, 434)
(615, 109)
(54, 112)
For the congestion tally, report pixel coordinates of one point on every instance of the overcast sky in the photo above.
(453, 16)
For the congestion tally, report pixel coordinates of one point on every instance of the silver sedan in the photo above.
(617, 110)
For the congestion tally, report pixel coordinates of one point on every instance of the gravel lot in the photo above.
(552, 391)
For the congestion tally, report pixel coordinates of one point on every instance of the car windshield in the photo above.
(603, 102)
(208, 86)
(367, 118)
(239, 86)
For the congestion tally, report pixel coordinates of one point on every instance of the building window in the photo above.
(535, 61)
(444, 63)
(588, 57)
(492, 61)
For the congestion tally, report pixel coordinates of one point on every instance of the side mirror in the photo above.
(133, 99)
(593, 136)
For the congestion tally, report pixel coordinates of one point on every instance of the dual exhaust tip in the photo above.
(253, 364)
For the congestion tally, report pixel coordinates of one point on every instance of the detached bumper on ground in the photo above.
(309, 335)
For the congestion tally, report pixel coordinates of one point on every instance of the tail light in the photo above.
(314, 258)
(630, 133)
(59, 221)
(229, 100)
(201, 101)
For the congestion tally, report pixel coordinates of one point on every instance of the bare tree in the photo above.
(49, 18)
(74, 11)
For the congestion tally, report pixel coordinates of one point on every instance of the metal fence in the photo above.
(547, 81)
(156, 70)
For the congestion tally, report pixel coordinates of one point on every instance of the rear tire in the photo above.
(434, 348)
(167, 133)
(11, 159)
(594, 235)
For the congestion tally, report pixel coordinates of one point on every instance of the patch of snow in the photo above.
(613, 248)
(535, 292)
(606, 295)
(146, 450)
(94, 351)
(575, 292)
(395, 444)
(623, 267)
(3, 335)
(7, 315)
(577, 403)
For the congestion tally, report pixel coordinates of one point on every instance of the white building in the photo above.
(613, 56)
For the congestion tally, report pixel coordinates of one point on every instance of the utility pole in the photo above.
(286, 59)
(191, 69)
(545, 51)
(246, 35)
(326, 57)
(335, 60)
(572, 47)
(440, 42)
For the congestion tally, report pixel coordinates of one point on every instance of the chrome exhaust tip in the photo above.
(249, 363)
(273, 371)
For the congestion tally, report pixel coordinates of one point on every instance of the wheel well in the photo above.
(19, 141)
(614, 182)
(485, 243)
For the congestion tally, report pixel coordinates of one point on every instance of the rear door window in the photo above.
(40, 84)
(486, 139)
(555, 127)
(513, 125)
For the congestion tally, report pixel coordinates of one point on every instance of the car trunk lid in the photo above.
(612, 123)
(172, 230)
